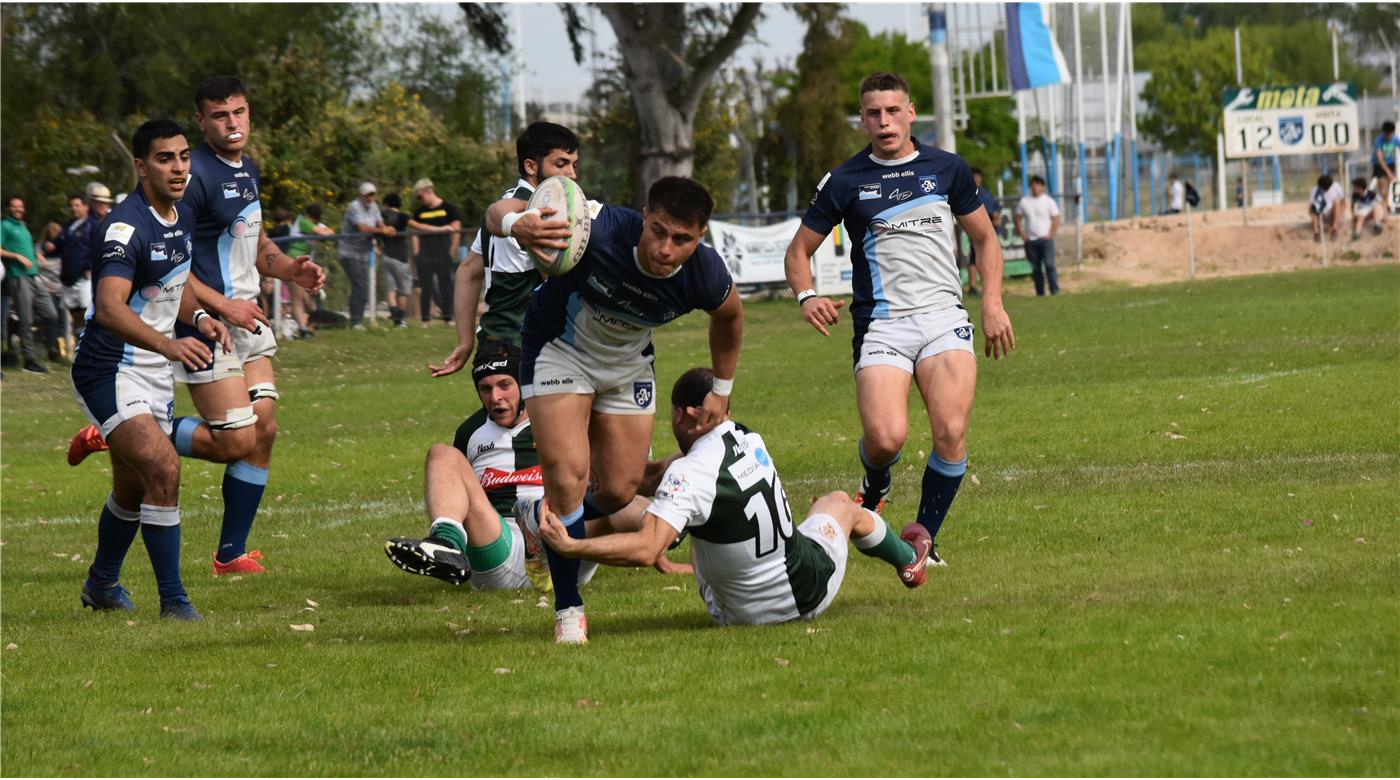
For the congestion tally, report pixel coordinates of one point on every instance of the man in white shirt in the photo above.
(1327, 206)
(1176, 194)
(1037, 221)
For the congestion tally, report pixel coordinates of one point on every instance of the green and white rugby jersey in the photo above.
(510, 278)
(504, 459)
(726, 491)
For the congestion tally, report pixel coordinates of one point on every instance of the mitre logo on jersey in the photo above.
(928, 184)
(152, 291)
(492, 479)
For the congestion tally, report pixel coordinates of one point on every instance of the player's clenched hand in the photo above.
(215, 331)
(454, 362)
(308, 275)
(244, 314)
(998, 338)
(552, 531)
(821, 312)
(190, 351)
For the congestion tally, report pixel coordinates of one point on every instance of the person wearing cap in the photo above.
(434, 254)
(88, 209)
(361, 216)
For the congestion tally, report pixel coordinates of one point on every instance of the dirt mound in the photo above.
(1152, 250)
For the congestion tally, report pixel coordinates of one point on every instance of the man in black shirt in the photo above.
(434, 254)
(397, 274)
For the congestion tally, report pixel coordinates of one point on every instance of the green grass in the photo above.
(1179, 557)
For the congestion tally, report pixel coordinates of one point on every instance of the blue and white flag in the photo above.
(1035, 60)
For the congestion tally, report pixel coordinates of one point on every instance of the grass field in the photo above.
(1180, 555)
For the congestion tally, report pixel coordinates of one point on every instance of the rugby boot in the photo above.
(430, 557)
(247, 563)
(112, 597)
(914, 573)
(84, 443)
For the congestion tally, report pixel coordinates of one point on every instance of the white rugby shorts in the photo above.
(78, 295)
(904, 341)
(629, 388)
(247, 346)
(510, 575)
(110, 398)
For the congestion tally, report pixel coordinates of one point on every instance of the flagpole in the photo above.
(1081, 210)
(1021, 140)
(1132, 111)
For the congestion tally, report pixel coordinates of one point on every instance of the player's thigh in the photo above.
(882, 398)
(560, 424)
(948, 382)
(619, 443)
(222, 401)
(143, 445)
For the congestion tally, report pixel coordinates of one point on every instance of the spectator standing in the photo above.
(50, 269)
(1326, 206)
(361, 217)
(397, 272)
(1176, 194)
(72, 245)
(434, 254)
(1383, 161)
(1037, 221)
(22, 269)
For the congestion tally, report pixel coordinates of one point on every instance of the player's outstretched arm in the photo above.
(998, 338)
(635, 548)
(111, 311)
(726, 338)
(465, 295)
(297, 270)
(819, 312)
(241, 314)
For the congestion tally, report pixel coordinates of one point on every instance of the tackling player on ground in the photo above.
(122, 371)
(750, 565)
(235, 395)
(897, 199)
(587, 371)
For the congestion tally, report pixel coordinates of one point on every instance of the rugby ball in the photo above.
(569, 203)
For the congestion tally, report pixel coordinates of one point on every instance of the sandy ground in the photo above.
(1152, 250)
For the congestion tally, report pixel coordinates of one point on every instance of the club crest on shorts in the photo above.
(642, 393)
(963, 332)
(170, 411)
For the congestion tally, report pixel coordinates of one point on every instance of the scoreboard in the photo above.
(1301, 119)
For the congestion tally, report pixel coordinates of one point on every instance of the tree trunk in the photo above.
(666, 89)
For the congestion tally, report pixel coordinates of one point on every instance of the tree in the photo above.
(670, 54)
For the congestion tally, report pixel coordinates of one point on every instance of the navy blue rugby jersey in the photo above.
(607, 306)
(228, 220)
(136, 244)
(899, 215)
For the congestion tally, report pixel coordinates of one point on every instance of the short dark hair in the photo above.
(541, 138)
(11, 197)
(392, 200)
(1038, 179)
(976, 171)
(1324, 181)
(281, 215)
(77, 196)
(313, 211)
(691, 387)
(1387, 126)
(884, 81)
(1359, 181)
(216, 90)
(152, 131)
(684, 199)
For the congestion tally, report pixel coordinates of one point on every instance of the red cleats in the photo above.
(913, 574)
(243, 564)
(84, 443)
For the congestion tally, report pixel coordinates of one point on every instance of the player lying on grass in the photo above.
(470, 487)
(750, 566)
(122, 372)
(586, 371)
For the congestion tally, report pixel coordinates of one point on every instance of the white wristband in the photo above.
(197, 314)
(508, 221)
(722, 387)
(805, 295)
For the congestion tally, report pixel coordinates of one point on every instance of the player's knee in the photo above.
(882, 444)
(160, 477)
(266, 431)
(233, 444)
(443, 453)
(950, 440)
(840, 496)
